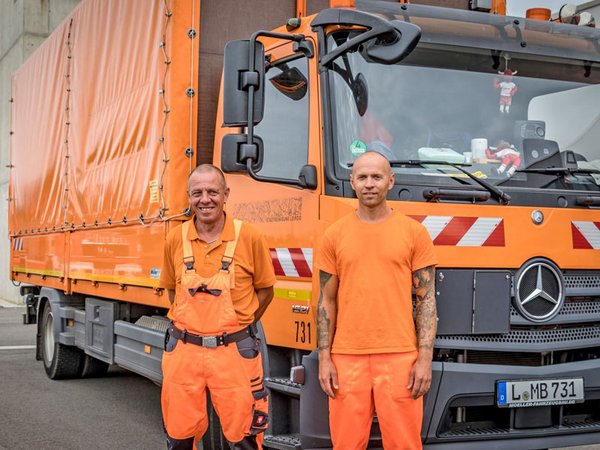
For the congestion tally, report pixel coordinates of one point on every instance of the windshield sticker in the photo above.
(357, 148)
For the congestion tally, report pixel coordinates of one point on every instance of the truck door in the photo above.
(285, 214)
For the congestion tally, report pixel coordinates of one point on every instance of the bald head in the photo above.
(371, 157)
(371, 179)
(208, 168)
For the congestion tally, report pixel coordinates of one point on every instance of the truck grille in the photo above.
(570, 308)
(526, 340)
(507, 358)
(575, 326)
(582, 281)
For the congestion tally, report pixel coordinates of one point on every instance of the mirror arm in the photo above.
(355, 42)
(251, 81)
(257, 177)
(251, 77)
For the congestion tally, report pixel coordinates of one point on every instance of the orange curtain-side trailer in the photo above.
(102, 115)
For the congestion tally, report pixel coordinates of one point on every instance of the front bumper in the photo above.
(461, 412)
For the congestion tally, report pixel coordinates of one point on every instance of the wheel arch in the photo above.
(56, 299)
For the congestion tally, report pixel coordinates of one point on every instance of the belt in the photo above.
(209, 341)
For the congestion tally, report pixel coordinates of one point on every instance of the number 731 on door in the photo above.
(303, 330)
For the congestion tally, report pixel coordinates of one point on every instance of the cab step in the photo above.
(283, 385)
(283, 441)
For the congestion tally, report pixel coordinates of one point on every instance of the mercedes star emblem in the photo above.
(539, 290)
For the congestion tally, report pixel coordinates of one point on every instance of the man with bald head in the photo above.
(219, 276)
(373, 356)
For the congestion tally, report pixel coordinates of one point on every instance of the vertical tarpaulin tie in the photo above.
(192, 37)
(67, 157)
(163, 95)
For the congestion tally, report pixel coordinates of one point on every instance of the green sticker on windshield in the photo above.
(357, 148)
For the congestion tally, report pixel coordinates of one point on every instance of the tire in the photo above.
(213, 439)
(92, 367)
(60, 361)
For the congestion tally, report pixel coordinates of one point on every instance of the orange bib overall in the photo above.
(206, 347)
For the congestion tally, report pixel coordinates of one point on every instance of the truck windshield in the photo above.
(502, 115)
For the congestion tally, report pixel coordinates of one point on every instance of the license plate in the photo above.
(523, 393)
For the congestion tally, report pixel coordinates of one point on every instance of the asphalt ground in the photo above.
(118, 411)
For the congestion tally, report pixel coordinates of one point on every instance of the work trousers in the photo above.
(188, 370)
(375, 383)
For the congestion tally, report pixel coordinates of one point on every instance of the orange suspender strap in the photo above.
(230, 249)
(188, 256)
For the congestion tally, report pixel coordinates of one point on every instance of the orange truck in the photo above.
(491, 124)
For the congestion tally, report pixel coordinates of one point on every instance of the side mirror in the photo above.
(308, 177)
(387, 42)
(360, 91)
(291, 82)
(392, 47)
(237, 81)
(235, 152)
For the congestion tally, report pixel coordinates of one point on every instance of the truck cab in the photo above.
(491, 126)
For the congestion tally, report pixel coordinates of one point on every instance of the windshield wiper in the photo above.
(497, 194)
(559, 170)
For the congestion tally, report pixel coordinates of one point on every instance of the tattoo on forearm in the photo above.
(426, 323)
(323, 328)
(423, 279)
(323, 320)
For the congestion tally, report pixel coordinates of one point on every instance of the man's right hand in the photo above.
(327, 373)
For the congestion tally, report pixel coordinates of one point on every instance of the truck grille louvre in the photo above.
(506, 358)
(476, 432)
(495, 431)
(570, 308)
(574, 336)
(582, 281)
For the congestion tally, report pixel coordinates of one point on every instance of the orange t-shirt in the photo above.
(252, 259)
(374, 264)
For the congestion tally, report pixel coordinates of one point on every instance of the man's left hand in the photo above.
(419, 379)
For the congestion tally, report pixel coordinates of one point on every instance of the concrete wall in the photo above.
(24, 24)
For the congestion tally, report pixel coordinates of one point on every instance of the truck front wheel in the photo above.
(60, 361)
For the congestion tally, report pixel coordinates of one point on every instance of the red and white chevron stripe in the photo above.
(586, 235)
(464, 231)
(292, 262)
(17, 244)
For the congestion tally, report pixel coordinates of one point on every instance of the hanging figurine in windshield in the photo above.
(507, 87)
(508, 155)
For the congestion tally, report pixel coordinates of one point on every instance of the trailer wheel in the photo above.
(92, 367)
(213, 439)
(60, 361)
